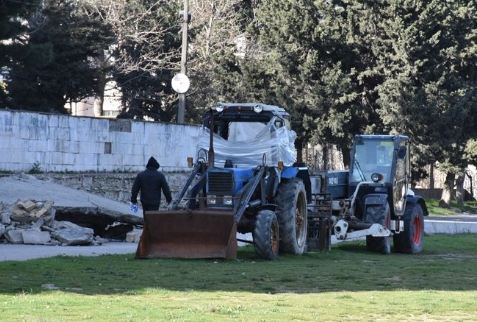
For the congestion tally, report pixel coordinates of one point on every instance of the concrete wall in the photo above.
(63, 143)
(115, 186)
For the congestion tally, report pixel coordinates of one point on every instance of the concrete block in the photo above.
(28, 205)
(39, 212)
(449, 227)
(74, 236)
(134, 236)
(63, 121)
(14, 236)
(48, 204)
(52, 121)
(6, 220)
(6, 124)
(37, 145)
(17, 212)
(35, 237)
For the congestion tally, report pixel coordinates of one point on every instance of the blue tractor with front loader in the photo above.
(245, 180)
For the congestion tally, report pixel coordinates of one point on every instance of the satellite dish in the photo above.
(180, 83)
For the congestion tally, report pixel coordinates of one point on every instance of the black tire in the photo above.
(292, 216)
(266, 235)
(411, 240)
(381, 244)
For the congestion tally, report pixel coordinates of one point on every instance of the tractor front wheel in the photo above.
(266, 235)
(381, 244)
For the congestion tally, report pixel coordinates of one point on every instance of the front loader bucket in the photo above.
(188, 234)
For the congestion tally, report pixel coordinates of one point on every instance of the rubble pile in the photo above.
(33, 222)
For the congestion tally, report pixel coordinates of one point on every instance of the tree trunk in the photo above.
(98, 106)
(346, 152)
(99, 98)
(460, 193)
(326, 151)
(431, 176)
(447, 191)
(471, 188)
(299, 150)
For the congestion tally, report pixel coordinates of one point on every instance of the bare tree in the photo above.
(144, 32)
(220, 32)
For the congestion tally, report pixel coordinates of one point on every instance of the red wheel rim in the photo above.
(417, 230)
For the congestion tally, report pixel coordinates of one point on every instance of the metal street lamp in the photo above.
(182, 99)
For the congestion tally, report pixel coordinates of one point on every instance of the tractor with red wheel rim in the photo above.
(372, 200)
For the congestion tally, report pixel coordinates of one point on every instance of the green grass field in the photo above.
(435, 210)
(346, 284)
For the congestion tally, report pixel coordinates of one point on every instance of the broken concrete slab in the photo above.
(27, 205)
(28, 186)
(20, 252)
(6, 220)
(14, 236)
(108, 219)
(20, 215)
(134, 236)
(35, 237)
(74, 236)
(39, 225)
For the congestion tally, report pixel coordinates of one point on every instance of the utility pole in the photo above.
(185, 23)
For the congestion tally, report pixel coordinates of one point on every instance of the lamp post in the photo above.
(185, 23)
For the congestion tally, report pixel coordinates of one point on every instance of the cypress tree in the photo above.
(58, 65)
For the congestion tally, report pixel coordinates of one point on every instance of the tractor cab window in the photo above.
(246, 131)
(283, 122)
(241, 131)
(373, 156)
(249, 143)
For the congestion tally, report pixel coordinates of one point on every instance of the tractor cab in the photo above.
(247, 134)
(380, 165)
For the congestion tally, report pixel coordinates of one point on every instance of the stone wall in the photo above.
(115, 186)
(64, 143)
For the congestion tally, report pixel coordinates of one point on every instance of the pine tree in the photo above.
(58, 65)
(316, 65)
(430, 89)
(387, 66)
(13, 37)
(146, 57)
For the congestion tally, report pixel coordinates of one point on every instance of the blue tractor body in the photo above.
(244, 180)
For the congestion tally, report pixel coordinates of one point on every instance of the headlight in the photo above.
(228, 200)
(377, 177)
(212, 199)
(258, 108)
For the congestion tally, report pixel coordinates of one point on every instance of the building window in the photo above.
(108, 148)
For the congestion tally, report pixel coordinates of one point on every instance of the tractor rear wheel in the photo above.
(381, 244)
(411, 239)
(292, 216)
(266, 235)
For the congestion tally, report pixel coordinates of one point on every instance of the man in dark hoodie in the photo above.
(150, 183)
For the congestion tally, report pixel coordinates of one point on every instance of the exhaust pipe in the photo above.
(211, 140)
